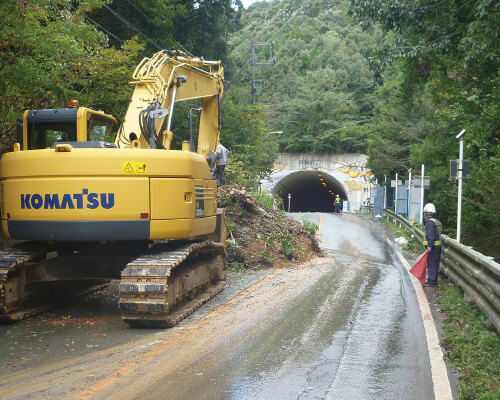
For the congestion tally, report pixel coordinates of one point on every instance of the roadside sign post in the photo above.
(396, 205)
(460, 137)
(422, 195)
(385, 191)
(409, 193)
(289, 197)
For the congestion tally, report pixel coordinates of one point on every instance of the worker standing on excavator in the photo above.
(221, 160)
(432, 244)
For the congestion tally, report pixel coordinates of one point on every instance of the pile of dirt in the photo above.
(262, 236)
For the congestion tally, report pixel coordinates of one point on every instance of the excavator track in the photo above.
(12, 261)
(23, 294)
(161, 288)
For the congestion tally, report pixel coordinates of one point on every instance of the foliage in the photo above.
(310, 227)
(287, 246)
(473, 345)
(413, 244)
(236, 266)
(199, 27)
(49, 54)
(265, 199)
(317, 92)
(266, 258)
(230, 224)
(244, 133)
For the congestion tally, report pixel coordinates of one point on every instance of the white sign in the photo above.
(418, 181)
(395, 183)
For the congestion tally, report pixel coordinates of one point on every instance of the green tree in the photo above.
(49, 55)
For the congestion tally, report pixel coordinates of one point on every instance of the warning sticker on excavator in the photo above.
(134, 167)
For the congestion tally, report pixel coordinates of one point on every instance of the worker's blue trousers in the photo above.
(433, 265)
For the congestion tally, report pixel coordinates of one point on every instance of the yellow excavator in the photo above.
(87, 208)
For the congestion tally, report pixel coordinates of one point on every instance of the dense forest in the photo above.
(396, 80)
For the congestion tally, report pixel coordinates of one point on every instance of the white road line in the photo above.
(440, 380)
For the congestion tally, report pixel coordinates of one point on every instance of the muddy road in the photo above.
(345, 326)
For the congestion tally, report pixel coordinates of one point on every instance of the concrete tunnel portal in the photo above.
(309, 191)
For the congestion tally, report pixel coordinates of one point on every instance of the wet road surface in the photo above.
(346, 327)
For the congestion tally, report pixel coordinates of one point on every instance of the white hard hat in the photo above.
(430, 208)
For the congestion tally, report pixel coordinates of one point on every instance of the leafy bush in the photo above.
(266, 258)
(287, 245)
(310, 227)
(265, 199)
(236, 266)
(230, 224)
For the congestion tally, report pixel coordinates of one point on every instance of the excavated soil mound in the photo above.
(261, 236)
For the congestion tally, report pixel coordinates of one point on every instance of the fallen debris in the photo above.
(262, 236)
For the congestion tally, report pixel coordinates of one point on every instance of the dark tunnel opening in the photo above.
(309, 191)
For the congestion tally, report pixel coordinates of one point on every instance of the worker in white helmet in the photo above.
(432, 244)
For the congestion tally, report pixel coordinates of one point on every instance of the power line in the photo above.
(151, 21)
(122, 19)
(100, 26)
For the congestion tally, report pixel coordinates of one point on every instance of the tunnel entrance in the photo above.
(309, 191)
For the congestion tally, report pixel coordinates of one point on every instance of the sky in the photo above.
(246, 3)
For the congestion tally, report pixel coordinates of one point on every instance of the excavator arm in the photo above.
(158, 83)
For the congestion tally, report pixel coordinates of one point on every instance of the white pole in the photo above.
(408, 201)
(460, 136)
(385, 191)
(396, 200)
(422, 194)
(289, 197)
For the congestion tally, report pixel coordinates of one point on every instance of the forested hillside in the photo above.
(319, 91)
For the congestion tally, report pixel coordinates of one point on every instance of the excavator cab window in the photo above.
(47, 127)
(100, 128)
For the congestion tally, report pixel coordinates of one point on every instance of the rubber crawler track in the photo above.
(144, 286)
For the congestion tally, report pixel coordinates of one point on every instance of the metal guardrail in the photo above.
(477, 274)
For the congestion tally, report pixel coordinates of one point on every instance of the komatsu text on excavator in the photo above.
(87, 208)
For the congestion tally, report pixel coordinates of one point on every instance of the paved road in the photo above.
(345, 327)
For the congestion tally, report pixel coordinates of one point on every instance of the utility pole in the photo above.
(254, 88)
(254, 63)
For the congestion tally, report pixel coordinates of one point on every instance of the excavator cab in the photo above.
(78, 126)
